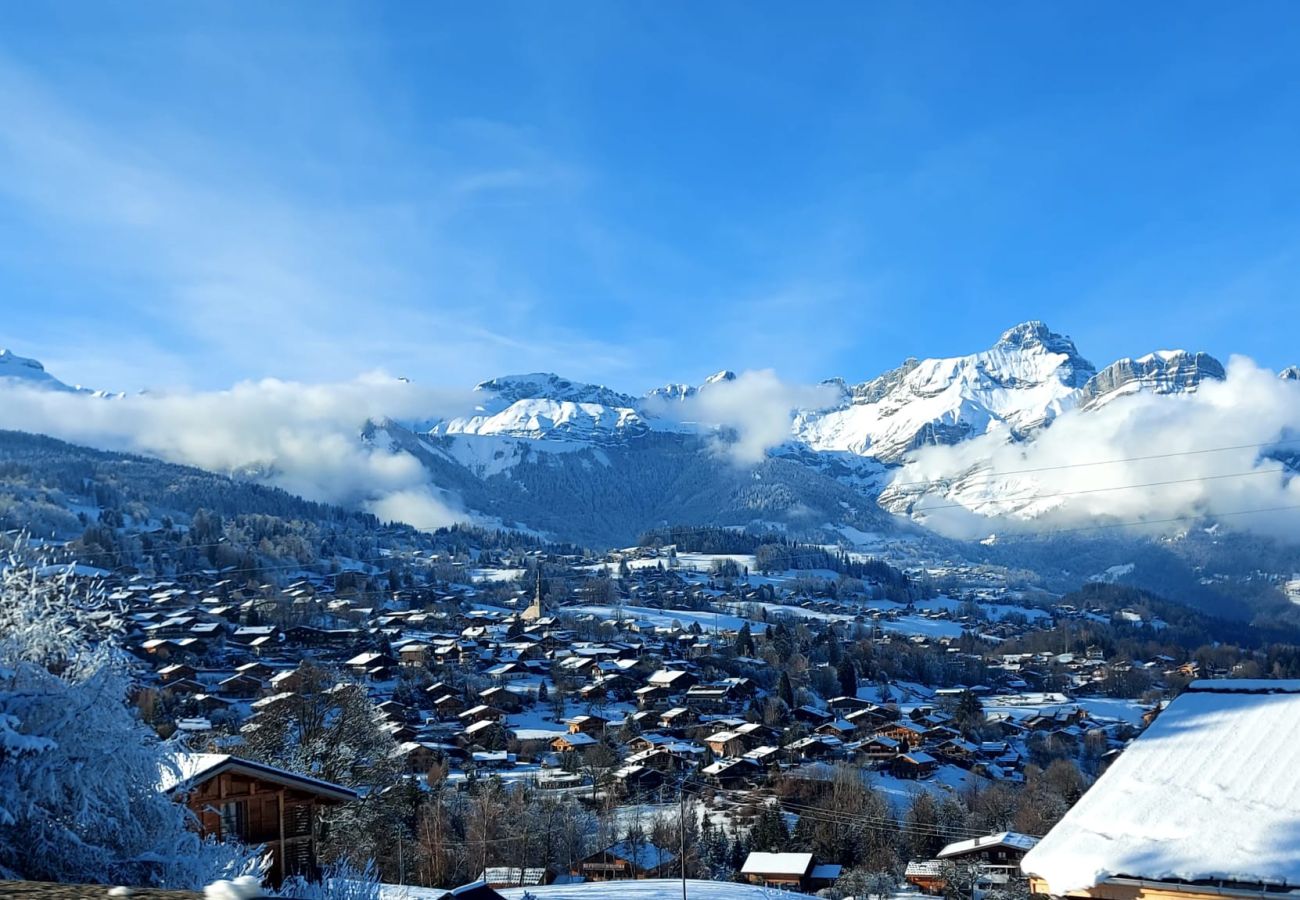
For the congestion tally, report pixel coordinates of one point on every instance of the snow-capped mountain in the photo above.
(542, 406)
(1162, 372)
(1020, 384)
(21, 370)
(1024, 381)
(544, 452)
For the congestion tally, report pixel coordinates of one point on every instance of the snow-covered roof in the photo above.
(1208, 792)
(777, 864)
(1002, 839)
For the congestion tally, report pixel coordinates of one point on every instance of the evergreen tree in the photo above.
(786, 690)
(848, 677)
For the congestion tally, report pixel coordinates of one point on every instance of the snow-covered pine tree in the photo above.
(79, 772)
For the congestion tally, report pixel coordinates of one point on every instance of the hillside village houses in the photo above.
(622, 703)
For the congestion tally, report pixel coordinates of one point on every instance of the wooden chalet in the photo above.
(627, 860)
(234, 798)
(788, 871)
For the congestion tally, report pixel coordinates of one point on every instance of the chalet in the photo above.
(415, 655)
(500, 698)
(906, 733)
(587, 724)
(241, 686)
(880, 748)
(1202, 805)
(678, 717)
(815, 746)
(256, 804)
(810, 715)
(673, 681)
(177, 671)
(483, 733)
(842, 705)
(914, 764)
(838, 728)
(370, 664)
(508, 671)
(1003, 850)
(725, 743)
(710, 696)
(636, 778)
(731, 772)
(764, 757)
(569, 743)
(627, 860)
(481, 713)
(926, 875)
(788, 871)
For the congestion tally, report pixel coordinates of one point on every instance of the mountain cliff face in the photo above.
(1163, 372)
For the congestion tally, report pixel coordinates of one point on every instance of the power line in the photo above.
(990, 473)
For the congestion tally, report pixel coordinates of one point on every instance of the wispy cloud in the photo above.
(223, 260)
(750, 414)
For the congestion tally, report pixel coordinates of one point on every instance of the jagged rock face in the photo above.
(1165, 372)
(1290, 373)
(546, 386)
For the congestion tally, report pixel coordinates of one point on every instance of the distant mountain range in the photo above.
(588, 463)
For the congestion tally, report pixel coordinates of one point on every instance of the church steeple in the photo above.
(535, 610)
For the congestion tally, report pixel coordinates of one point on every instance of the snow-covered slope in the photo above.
(21, 370)
(1024, 381)
(543, 406)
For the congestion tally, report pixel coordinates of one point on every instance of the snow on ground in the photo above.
(646, 889)
(536, 724)
(664, 618)
(494, 576)
(1023, 706)
(910, 624)
(946, 781)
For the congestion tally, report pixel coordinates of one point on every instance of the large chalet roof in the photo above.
(1207, 793)
(191, 769)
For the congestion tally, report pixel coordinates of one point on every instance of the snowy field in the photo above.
(664, 618)
(1022, 706)
(646, 889)
(494, 576)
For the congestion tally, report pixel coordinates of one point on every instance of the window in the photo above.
(234, 820)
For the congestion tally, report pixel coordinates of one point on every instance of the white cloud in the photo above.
(981, 485)
(752, 412)
(303, 438)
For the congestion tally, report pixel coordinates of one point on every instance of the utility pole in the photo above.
(681, 835)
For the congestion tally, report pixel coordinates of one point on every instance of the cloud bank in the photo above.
(302, 438)
(750, 413)
(1141, 458)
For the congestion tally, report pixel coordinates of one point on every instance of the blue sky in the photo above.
(631, 193)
